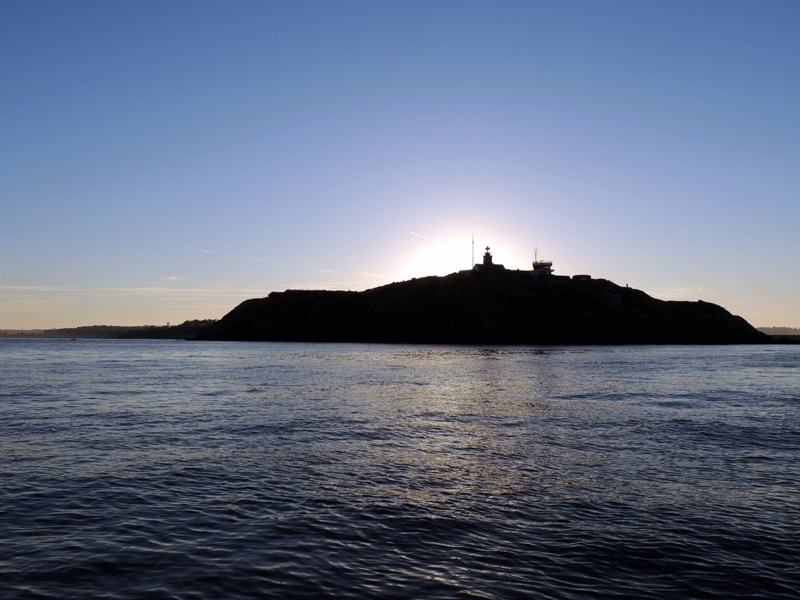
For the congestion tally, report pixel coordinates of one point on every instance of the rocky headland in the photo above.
(492, 306)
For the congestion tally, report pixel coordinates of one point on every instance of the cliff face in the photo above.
(484, 308)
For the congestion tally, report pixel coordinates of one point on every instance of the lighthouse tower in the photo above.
(488, 264)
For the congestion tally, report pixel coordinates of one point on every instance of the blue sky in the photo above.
(164, 161)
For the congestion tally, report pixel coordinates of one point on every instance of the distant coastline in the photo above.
(782, 335)
(204, 328)
(185, 330)
(176, 332)
(189, 330)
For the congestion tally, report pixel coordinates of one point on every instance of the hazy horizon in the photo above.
(164, 162)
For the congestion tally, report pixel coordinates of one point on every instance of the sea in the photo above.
(199, 470)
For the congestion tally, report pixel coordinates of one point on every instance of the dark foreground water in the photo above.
(140, 469)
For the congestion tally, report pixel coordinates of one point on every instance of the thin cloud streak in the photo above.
(418, 235)
(281, 262)
(229, 292)
(269, 260)
(675, 293)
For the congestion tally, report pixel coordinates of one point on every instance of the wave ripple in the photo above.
(162, 470)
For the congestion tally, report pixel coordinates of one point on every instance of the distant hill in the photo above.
(89, 331)
(784, 335)
(780, 330)
(489, 307)
(186, 330)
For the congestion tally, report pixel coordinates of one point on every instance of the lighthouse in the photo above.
(488, 264)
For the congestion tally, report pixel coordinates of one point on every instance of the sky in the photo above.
(164, 161)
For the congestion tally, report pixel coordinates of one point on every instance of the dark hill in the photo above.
(507, 307)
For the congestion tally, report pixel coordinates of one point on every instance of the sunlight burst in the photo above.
(454, 254)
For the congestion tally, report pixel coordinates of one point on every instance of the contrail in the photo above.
(418, 235)
(239, 256)
(235, 255)
(333, 271)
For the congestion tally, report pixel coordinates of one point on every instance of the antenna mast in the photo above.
(473, 249)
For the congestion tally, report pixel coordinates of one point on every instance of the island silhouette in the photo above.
(487, 304)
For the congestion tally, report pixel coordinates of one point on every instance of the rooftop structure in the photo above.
(541, 267)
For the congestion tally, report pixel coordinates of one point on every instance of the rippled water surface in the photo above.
(142, 469)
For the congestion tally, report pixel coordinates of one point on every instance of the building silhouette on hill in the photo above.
(541, 268)
(488, 264)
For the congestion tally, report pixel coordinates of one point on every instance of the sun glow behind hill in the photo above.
(455, 254)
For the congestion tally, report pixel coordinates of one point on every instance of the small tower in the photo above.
(487, 258)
